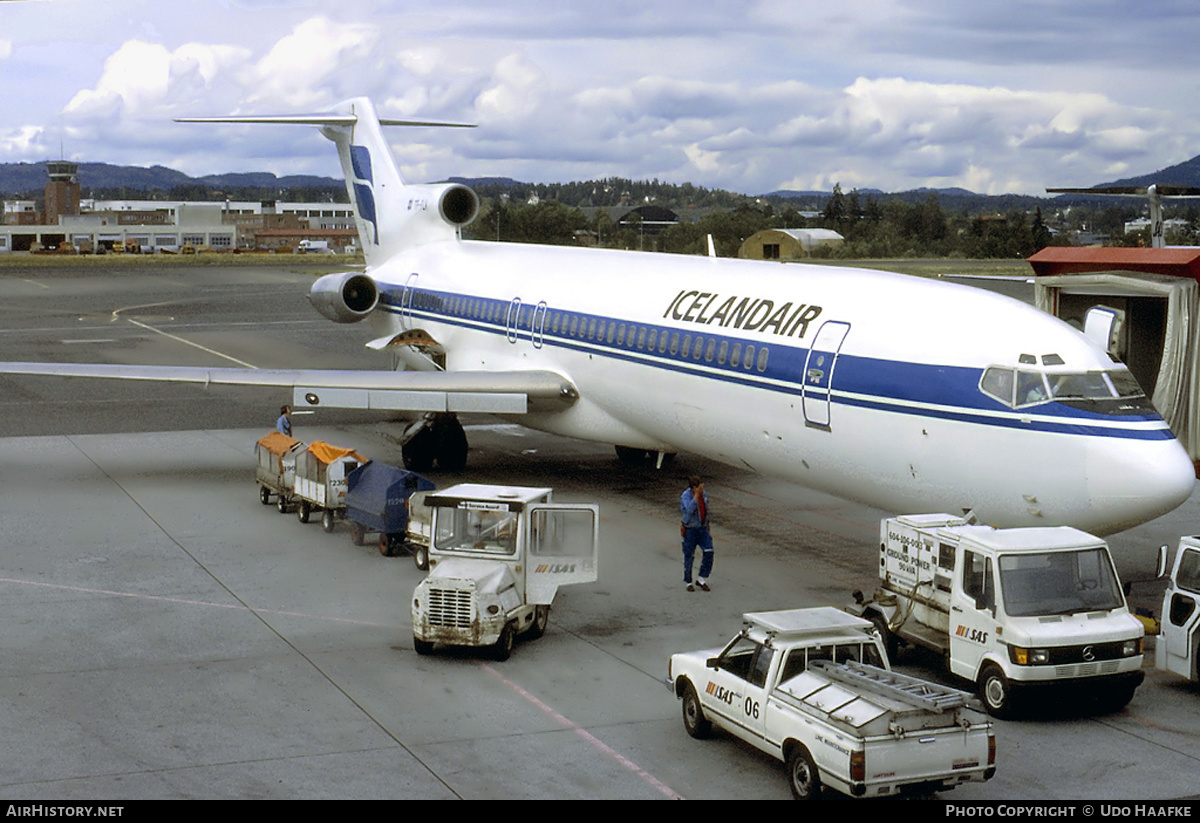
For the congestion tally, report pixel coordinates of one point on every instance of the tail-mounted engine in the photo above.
(450, 204)
(344, 298)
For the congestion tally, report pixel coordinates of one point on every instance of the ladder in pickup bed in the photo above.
(918, 693)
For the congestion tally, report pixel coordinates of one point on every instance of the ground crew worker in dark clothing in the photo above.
(693, 527)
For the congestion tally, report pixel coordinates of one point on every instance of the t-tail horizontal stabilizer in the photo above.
(391, 214)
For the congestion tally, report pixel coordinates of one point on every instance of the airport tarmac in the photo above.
(168, 636)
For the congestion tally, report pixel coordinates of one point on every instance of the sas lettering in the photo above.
(745, 313)
(972, 635)
(555, 568)
(721, 693)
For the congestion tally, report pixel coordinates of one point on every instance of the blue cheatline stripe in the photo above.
(936, 391)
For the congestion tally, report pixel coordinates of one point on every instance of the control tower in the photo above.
(62, 192)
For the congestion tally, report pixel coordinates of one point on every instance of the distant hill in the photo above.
(135, 182)
(26, 178)
(1186, 173)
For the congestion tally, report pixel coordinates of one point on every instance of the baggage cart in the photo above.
(378, 498)
(321, 471)
(275, 470)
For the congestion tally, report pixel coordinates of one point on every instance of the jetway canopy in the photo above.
(1159, 338)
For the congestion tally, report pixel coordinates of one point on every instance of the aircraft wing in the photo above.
(504, 392)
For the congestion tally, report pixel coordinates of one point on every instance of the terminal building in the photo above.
(68, 222)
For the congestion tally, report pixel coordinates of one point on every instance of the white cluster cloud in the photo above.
(749, 96)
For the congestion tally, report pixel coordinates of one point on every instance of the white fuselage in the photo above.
(859, 383)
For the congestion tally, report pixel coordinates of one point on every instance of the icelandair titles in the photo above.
(745, 313)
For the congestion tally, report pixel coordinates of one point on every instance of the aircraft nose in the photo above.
(1140, 482)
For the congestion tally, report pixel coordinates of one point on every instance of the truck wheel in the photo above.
(803, 776)
(281, 504)
(327, 521)
(694, 721)
(995, 691)
(422, 647)
(541, 617)
(420, 555)
(356, 533)
(264, 495)
(504, 646)
(385, 544)
(890, 642)
(302, 511)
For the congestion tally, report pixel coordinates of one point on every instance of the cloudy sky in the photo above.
(991, 95)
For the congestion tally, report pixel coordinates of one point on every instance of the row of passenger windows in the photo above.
(642, 338)
(647, 338)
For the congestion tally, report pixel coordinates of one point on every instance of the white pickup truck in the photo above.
(813, 688)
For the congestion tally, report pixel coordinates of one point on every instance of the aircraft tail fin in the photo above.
(390, 214)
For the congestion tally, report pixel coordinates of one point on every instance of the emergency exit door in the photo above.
(818, 372)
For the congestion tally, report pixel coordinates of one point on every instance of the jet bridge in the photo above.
(1143, 305)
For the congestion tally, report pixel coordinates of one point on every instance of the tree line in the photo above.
(873, 226)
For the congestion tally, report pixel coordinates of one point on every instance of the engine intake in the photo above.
(458, 205)
(344, 298)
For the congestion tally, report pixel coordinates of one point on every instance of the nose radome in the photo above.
(1137, 483)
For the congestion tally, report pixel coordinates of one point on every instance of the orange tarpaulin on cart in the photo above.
(278, 443)
(327, 453)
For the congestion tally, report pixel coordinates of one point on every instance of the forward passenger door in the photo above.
(818, 372)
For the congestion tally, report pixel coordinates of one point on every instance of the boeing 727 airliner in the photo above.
(906, 394)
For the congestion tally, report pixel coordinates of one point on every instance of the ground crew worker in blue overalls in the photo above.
(693, 528)
(284, 424)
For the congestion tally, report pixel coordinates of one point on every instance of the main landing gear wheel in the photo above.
(441, 439)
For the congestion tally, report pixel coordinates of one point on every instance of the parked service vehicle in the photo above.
(497, 558)
(1178, 645)
(378, 498)
(813, 688)
(1012, 610)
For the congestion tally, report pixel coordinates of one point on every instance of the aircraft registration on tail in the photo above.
(903, 393)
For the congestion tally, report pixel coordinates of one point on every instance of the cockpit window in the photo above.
(1020, 388)
(1091, 384)
(1124, 383)
(1031, 388)
(999, 384)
